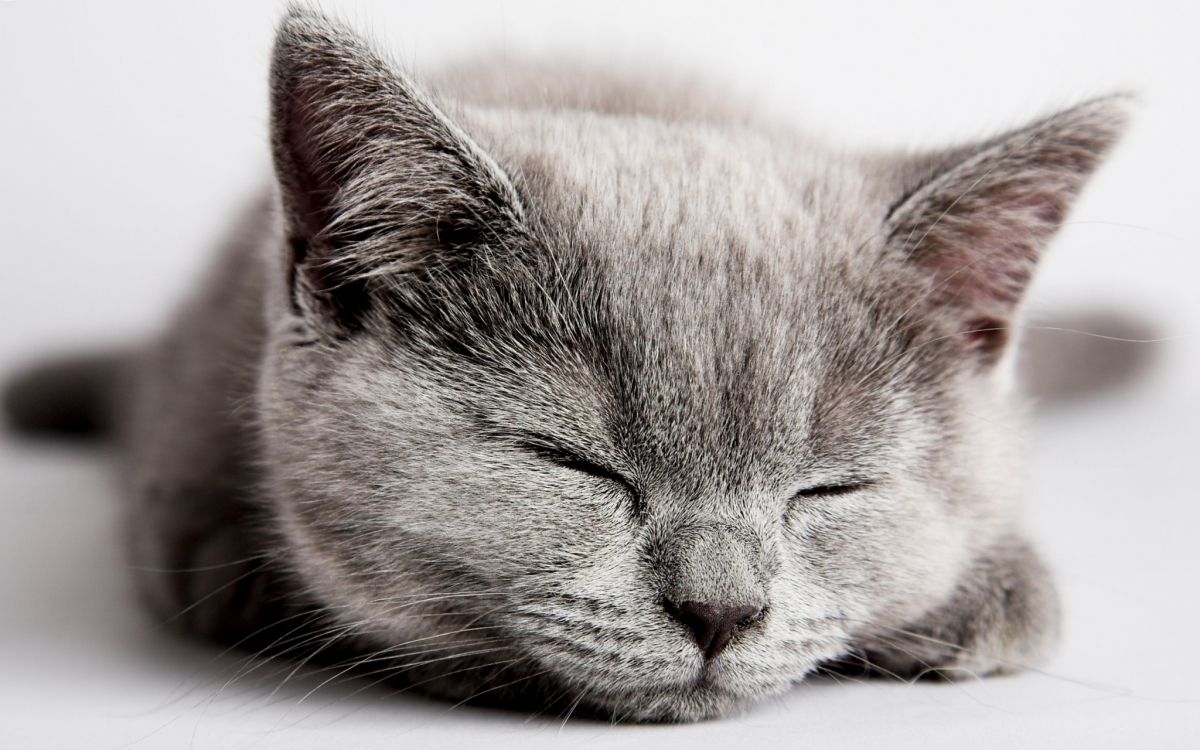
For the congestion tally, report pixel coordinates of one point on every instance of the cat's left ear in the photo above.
(377, 183)
(974, 220)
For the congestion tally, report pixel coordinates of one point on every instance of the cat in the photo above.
(550, 389)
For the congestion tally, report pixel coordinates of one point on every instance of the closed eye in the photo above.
(832, 490)
(569, 459)
(575, 463)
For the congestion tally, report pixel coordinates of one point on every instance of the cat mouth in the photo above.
(674, 686)
(706, 679)
(706, 690)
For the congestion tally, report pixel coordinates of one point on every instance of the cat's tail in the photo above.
(73, 396)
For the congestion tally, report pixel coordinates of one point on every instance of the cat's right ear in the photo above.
(376, 182)
(974, 220)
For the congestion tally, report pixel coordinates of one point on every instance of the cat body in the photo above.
(578, 392)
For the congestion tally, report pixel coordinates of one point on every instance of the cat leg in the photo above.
(1003, 616)
(199, 564)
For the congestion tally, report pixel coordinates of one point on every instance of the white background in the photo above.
(130, 132)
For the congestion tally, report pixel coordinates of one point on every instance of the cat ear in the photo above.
(974, 220)
(375, 180)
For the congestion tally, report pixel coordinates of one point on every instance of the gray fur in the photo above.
(505, 373)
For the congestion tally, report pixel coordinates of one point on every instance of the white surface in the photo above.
(129, 132)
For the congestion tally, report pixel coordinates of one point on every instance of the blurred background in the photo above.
(132, 132)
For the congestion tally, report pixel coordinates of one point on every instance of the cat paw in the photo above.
(1002, 617)
(203, 576)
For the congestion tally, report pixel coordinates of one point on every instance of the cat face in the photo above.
(639, 416)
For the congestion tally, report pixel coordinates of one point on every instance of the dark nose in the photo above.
(714, 625)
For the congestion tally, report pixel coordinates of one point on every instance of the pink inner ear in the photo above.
(984, 246)
(997, 278)
(311, 183)
(986, 337)
(1040, 207)
(982, 270)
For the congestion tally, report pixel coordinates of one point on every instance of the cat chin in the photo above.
(681, 705)
(708, 695)
(556, 693)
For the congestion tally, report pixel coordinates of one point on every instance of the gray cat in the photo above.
(560, 391)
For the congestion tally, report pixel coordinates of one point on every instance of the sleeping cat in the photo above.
(554, 390)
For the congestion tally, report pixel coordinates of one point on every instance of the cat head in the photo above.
(646, 416)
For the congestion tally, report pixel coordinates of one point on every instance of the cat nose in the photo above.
(714, 626)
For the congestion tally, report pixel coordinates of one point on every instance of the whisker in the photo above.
(211, 594)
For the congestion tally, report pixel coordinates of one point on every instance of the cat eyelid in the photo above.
(554, 452)
(833, 489)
